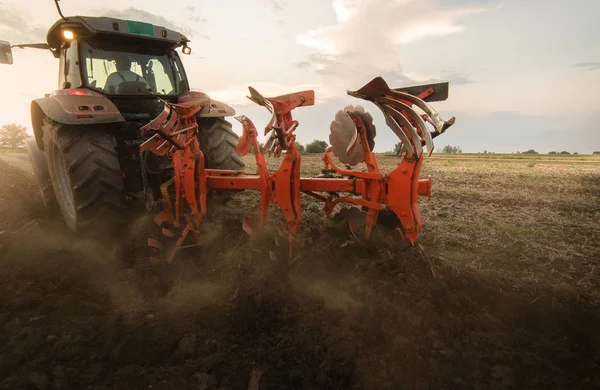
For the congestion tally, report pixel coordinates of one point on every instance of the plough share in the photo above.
(174, 133)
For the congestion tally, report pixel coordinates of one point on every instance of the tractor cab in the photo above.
(129, 62)
(117, 57)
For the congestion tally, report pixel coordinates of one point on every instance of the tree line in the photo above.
(14, 136)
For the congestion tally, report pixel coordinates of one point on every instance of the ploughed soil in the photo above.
(79, 313)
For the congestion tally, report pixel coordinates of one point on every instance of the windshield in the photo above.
(119, 72)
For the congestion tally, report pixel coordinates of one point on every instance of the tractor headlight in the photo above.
(186, 50)
(68, 35)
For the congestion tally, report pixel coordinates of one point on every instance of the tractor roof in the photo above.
(88, 26)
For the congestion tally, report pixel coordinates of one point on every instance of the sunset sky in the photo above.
(524, 74)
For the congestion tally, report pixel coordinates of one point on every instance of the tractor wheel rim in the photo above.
(64, 184)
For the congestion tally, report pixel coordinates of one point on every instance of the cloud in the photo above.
(369, 34)
(456, 78)
(303, 64)
(197, 19)
(587, 65)
(15, 29)
(384, 21)
(191, 12)
(351, 68)
(277, 5)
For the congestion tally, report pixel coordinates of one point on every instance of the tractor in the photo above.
(114, 77)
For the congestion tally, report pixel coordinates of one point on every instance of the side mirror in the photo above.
(5, 53)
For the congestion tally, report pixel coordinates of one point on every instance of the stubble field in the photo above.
(509, 296)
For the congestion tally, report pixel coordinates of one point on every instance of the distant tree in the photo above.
(485, 152)
(316, 146)
(300, 147)
(596, 152)
(13, 136)
(552, 152)
(530, 151)
(575, 153)
(452, 149)
(564, 152)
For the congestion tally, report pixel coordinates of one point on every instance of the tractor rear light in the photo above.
(84, 116)
(98, 108)
(83, 108)
(76, 92)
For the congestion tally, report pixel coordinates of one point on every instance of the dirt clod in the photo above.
(254, 382)
(186, 349)
(203, 381)
(39, 380)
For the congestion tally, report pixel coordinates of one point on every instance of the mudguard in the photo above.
(91, 108)
(212, 108)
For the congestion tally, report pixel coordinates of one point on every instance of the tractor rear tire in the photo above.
(86, 176)
(218, 142)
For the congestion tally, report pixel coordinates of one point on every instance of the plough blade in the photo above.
(249, 226)
(154, 243)
(378, 91)
(438, 124)
(372, 90)
(259, 99)
(439, 91)
(407, 126)
(410, 149)
(248, 137)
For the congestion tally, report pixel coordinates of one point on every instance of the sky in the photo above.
(523, 73)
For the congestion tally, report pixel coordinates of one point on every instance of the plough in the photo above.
(184, 197)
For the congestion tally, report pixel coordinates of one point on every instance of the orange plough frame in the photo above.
(174, 133)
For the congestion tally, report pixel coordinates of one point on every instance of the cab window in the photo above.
(112, 70)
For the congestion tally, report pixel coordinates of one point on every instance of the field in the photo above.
(508, 296)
